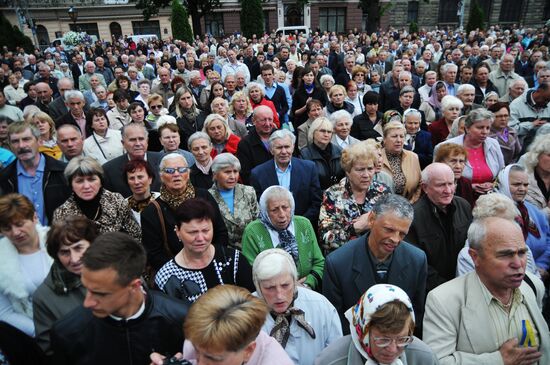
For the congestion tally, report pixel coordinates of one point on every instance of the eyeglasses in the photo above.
(386, 341)
(155, 106)
(172, 170)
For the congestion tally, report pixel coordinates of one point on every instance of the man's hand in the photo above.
(514, 355)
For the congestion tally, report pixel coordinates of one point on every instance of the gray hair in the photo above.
(171, 156)
(395, 204)
(281, 134)
(478, 115)
(339, 115)
(465, 87)
(275, 192)
(270, 263)
(83, 166)
(223, 161)
(73, 94)
(450, 101)
(196, 136)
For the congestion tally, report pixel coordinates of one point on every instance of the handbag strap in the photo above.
(163, 227)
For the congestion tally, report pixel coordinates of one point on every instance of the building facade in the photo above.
(108, 18)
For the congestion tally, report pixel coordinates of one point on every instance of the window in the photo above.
(150, 27)
(89, 28)
(332, 19)
(510, 10)
(213, 24)
(412, 12)
(448, 11)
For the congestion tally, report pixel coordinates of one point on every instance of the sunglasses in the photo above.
(172, 170)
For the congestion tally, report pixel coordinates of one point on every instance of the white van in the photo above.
(293, 30)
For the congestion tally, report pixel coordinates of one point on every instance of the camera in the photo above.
(175, 361)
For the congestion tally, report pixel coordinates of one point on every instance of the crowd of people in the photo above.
(326, 199)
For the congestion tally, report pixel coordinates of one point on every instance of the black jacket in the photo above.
(81, 338)
(152, 236)
(251, 152)
(55, 188)
(362, 128)
(439, 238)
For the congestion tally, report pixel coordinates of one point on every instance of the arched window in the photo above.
(116, 30)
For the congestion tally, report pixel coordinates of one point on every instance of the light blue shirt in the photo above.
(31, 187)
(283, 176)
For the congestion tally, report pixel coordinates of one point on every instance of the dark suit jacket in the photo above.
(348, 274)
(115, 180)
(304, 185)
(251, 152)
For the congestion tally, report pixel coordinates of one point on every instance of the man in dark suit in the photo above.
(135, 142)
(378, 257)
(252, 150)
(297, 175)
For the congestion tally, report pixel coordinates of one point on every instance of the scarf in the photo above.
(281, 329)
(175, 200)
(287, 240)
(63, 280)
(139, 205)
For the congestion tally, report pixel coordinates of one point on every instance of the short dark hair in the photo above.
(70, 230)
(117, 251)
(133, 165)
(371, 97)
(196, 208)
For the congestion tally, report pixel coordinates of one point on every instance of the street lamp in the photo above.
(73, 14)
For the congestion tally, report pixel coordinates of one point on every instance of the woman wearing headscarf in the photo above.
(381, 326)
(279, 227)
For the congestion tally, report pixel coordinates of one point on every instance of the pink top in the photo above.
(268, 352)
(481, 173)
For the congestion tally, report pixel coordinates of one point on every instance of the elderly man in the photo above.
(118, 315)
(74, 100)
(135, 142)
(530, 111)
(440, 223)
(504, 74)
(70, 141)
(35, 175)
(467, 94)
(84, 79)
(489, 316)
(252, 150)
(380, 256)
(449, 71)
(299, 176)
(515, 89)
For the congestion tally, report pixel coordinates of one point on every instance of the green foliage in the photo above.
(413, 27)
(477, 17)
(12, 37)
(181, 29)
(252, 18)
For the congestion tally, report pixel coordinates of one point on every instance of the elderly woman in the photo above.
(200, 265)
(341, 123)
(201, 147)
(537, 162)
(221, 106)
(314, 110)
(62, 291)
(158, 219)
(24, 262)
(190, 119)
(417, 140)
(513, 181)
(256, 95)
(485, 158)
(402, 165)
(323, 152)
(240, 109)
(223, 139)
(432, 107)
(225, 325)
(306, 91)
(108, 210)
(103, 143)
(381, 326)
(507, 137)
(451, 107)
(237, 202)
(337, 101)
(47, 140)
(303, 321)
(155, 104)
(345, 206)
(455, 156)
(279, 227)
(139, 177)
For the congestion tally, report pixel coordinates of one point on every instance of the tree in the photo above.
(181, 29)
(195, 8)
(476, 20)
(252, 18)
(12, 37)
